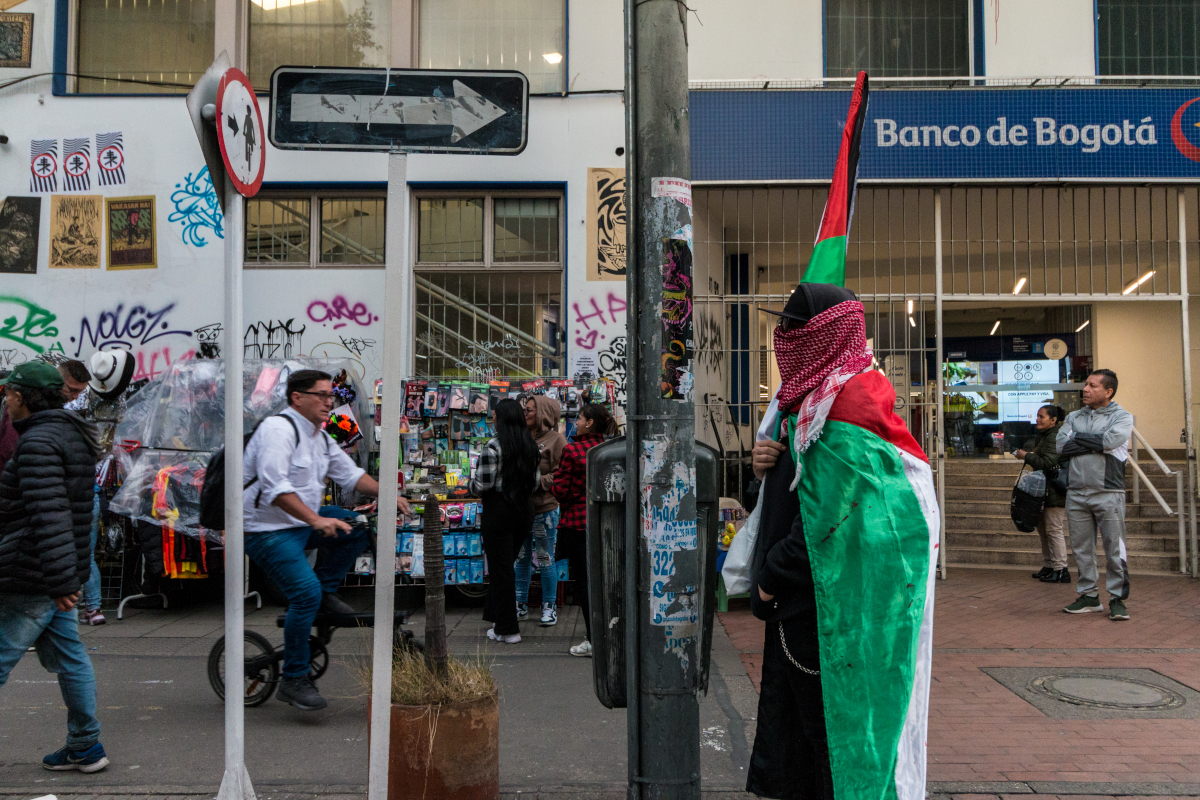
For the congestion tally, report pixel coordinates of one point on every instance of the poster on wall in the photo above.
(131, 242)
(606, 225)
(75, 231)
(16, 39)
(20, 222)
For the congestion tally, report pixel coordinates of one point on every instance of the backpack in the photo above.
(212, 493)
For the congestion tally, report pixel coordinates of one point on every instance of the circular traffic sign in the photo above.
(241, 133)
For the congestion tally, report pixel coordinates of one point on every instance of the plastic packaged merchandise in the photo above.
(1033, 483)
(179, 420)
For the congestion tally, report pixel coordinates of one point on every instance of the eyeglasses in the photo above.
(325, 396)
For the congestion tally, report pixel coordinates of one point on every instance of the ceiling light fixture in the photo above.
(910, 306)
(552, 58)
(994, 327)
(1017, 288)
(912, 322)
(1086, 322)
(1131, 287)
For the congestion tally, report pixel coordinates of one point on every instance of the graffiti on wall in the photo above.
(197, 209)
(272, 339)
(27, 324)
(125, 328)
(710, 340)
(595, 314)
(614, 364)
(154, 362)
(339, 312)
(208, 339)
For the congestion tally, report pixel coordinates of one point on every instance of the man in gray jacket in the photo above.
(1096, 440)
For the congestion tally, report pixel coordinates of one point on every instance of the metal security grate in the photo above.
(277, 230)
(349, 231)
(170, 41)
(526, 229)
(450, 230)
(922, 38)
(1148, 37)
(352, 230)
(483, 324)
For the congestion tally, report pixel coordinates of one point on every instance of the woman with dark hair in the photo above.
(1052, 530)
(570, 487)
(505, 480)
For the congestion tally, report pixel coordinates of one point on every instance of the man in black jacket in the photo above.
(45, 551)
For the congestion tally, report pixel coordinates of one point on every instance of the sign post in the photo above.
(225, 113)
(397, 112)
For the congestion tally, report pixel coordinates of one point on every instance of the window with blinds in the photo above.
(525, 35)
(924, 38)
(333, 33)
(1148, 37)
(283, 231)
(127, 47)
(489, 230)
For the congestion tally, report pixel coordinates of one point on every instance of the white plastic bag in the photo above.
(736, 571)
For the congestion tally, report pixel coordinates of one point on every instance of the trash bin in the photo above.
(607, 484)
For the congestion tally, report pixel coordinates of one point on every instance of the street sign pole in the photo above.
(235, 785)
(397, 362)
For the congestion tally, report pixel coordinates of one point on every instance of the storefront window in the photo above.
(334, 33)
(526, 229)
(1147, 37)
(525, 35)
(352, 230)
(484, 325)
(139, 48)
(890, 39)
(279, 231)
(450, 230)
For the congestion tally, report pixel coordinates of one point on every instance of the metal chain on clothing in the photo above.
(795, 663)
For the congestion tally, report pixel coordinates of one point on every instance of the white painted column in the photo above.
(235, 785)
(397, 358)
(1189, 422)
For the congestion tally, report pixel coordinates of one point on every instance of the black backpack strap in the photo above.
(295, 430)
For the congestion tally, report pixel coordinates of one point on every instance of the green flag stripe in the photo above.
(869, 549)
(828, 262)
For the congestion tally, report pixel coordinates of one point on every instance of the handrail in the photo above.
(1134, 439)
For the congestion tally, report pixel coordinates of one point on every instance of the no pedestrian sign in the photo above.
(415, 111)
(240, 131)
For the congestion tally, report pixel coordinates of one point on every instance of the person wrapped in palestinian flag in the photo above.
(844, 563)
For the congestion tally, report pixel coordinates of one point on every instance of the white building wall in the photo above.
(1036, 37)
(755, 39)
(596, 45)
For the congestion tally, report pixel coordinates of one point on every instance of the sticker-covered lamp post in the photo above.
(225, 113)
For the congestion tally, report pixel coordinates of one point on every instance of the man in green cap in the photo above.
(45, 553)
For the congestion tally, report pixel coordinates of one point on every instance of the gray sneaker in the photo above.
(301, 693)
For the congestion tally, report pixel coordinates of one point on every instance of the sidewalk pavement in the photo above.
(163, 724)
(986, 740)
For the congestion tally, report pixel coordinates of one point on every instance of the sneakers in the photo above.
(507, 638)
(522, 610)
(332, 604)
(1083, 604)
(1058, 576)
(91, 760)
(1044, 574)
(92, 617)
(549, 615)
(1116, 609)
(583, 649)
(301, 693)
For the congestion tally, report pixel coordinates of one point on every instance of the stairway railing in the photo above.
(1186, 567)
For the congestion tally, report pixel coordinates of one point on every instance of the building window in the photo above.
(930, 38)
(348, 231)
(1147, 37)
(525, 35)
(489, 230)
(335, 33)
(160, 47)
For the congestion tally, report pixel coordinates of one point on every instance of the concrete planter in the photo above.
(448, 752)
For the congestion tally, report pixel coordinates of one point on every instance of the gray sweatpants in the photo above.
(1102, 513)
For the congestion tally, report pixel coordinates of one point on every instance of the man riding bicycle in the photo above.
(286, 463)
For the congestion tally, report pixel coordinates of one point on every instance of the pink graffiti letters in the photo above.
(606, 314)
(339, 310)
(148, 366)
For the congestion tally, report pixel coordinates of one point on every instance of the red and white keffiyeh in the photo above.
(815, 362)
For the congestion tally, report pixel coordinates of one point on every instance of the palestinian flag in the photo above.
(828, 262)
(871, 522)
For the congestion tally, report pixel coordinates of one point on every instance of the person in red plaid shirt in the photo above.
(570, 488)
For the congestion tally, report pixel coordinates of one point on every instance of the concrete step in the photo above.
(1139, 563)
(1016, 540)
(1164, 483)
(996, 503)
(954, 564)
(955, 466)
(1002, 523)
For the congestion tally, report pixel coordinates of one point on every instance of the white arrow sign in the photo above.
(467, 111)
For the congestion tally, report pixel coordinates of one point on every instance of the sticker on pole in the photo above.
(241, 132)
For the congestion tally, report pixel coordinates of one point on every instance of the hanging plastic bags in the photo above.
(736, 572)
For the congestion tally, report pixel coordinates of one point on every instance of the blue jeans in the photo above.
(91, 589)
(543, 536)
(34, 621)
(281, 555)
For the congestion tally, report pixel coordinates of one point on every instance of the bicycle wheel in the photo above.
(261, 669)
(318, 659)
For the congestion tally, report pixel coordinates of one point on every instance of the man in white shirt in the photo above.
(285, 465)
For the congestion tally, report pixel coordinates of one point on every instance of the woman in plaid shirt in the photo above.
(570, 488)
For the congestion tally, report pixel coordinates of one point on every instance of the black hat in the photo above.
(810, 299)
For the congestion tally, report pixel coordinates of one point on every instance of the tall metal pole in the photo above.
(396, 319)
(664, 560)
(235, 785)
(1188, 420)
(940, 412)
